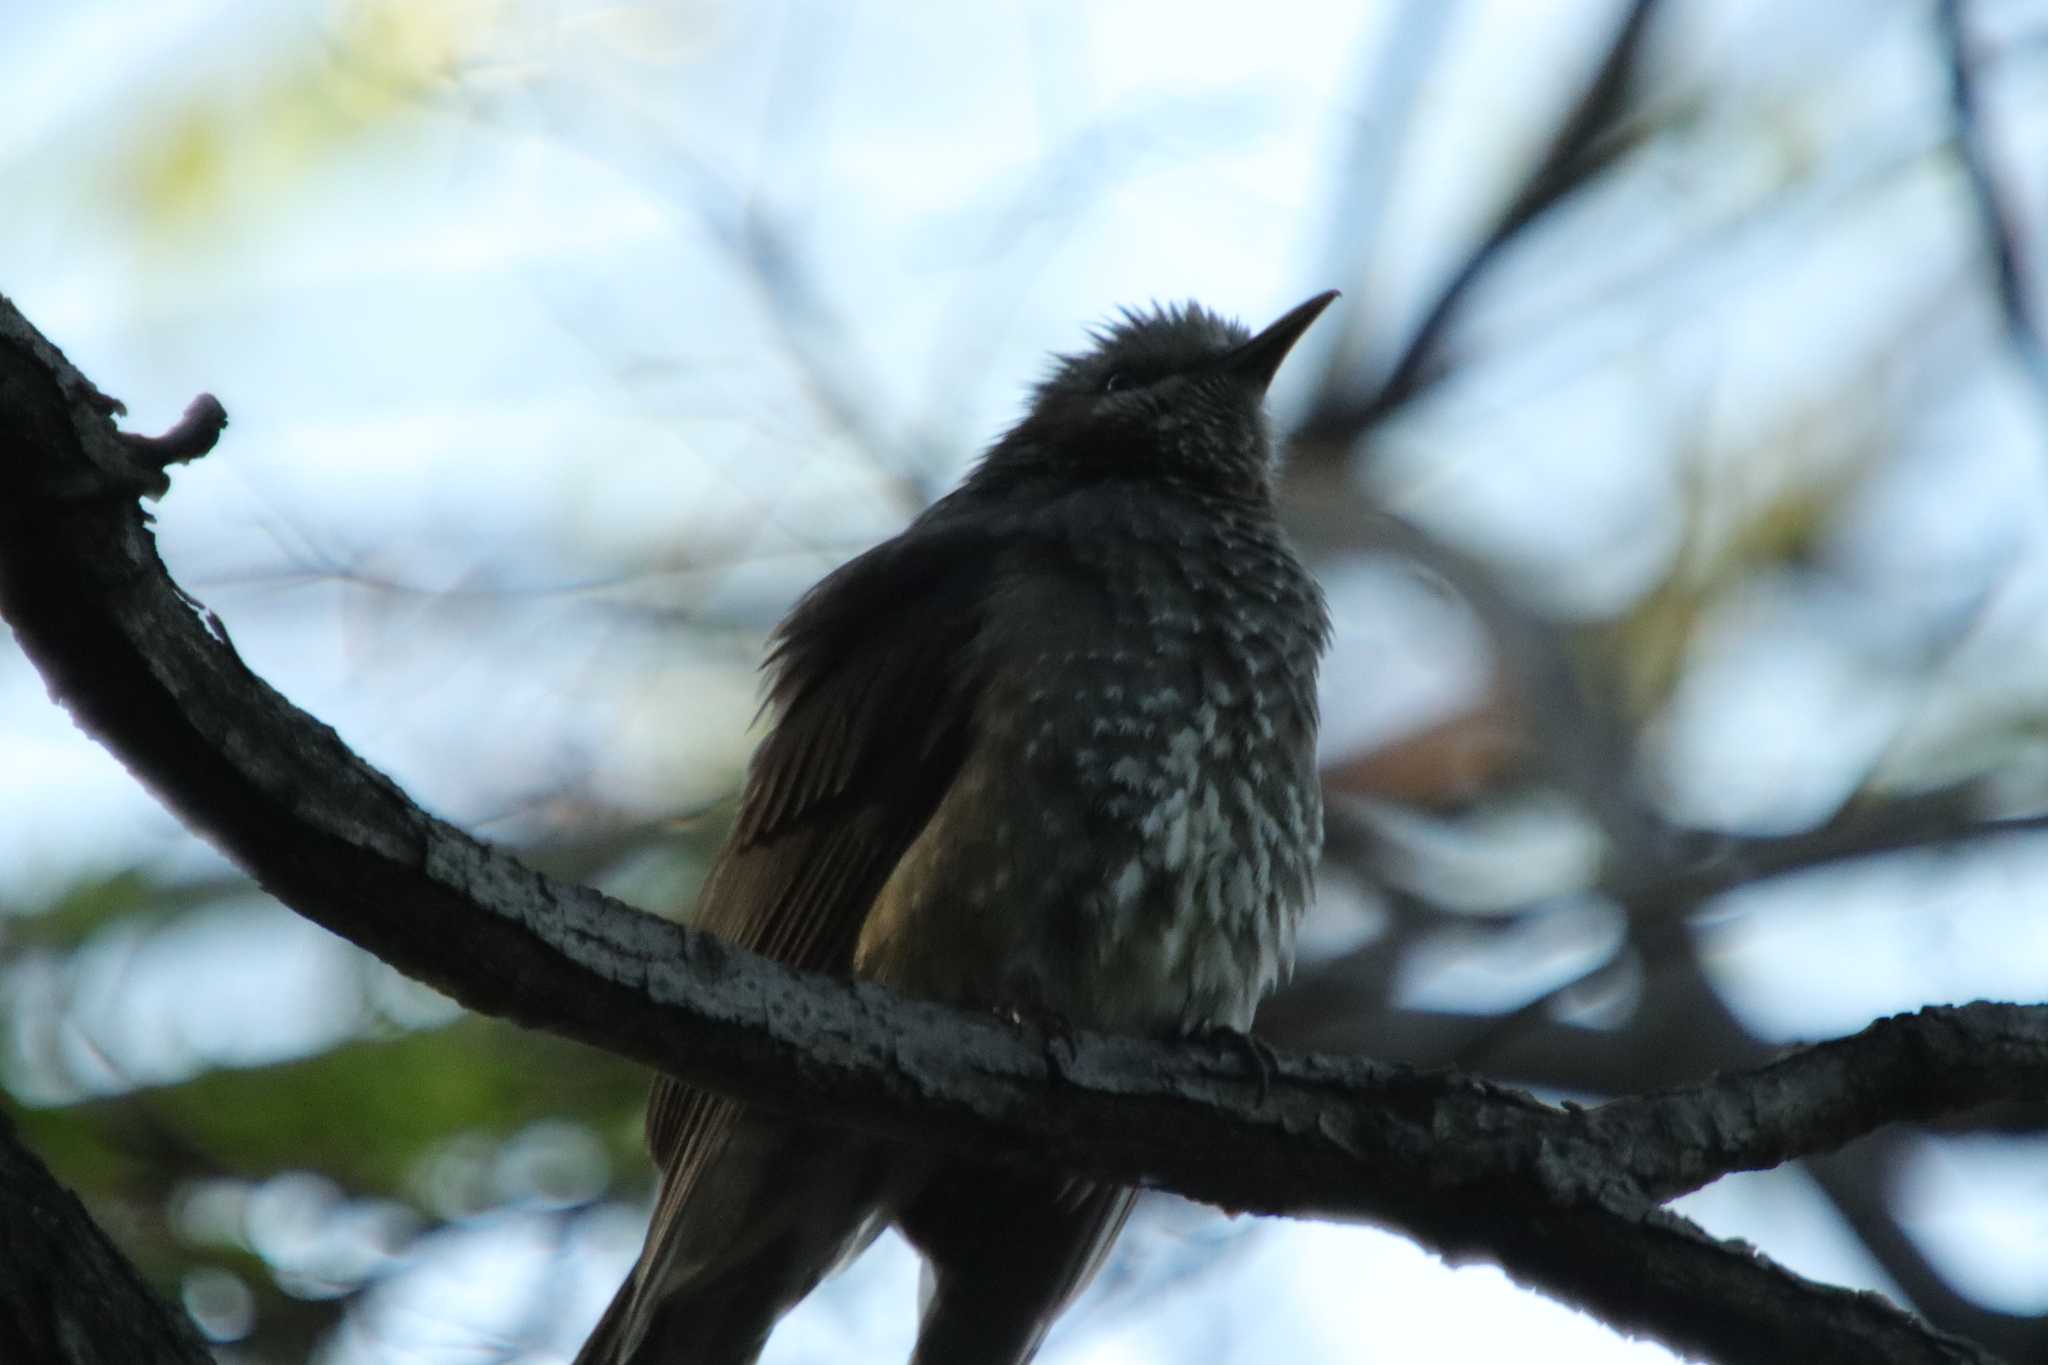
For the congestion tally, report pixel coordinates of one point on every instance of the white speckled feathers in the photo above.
(1131, 840)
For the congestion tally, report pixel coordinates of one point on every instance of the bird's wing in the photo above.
(874, 678)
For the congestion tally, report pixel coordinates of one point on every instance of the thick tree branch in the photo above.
(67, 1296)
(1564, 1199)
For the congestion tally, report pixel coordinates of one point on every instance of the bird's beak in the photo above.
(1258, 360)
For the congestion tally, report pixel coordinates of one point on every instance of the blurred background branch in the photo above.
(2001, 233)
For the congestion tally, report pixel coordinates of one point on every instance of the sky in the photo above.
(548, 328)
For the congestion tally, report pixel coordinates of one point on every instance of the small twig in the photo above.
(194, 434)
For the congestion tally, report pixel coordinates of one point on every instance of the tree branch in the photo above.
(1565, 1200)
(1920, 1066)
(67, 1296)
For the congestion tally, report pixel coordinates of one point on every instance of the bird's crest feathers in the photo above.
(1143, 344)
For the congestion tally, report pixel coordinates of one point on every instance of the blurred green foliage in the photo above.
(366, 1147)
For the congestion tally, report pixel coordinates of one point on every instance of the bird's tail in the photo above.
(606, 1342)
(989, 1298)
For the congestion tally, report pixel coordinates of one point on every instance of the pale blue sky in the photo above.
(508, 403)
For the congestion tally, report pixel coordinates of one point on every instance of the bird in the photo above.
(1049, 751)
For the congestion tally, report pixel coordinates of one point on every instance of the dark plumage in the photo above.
(1050, 749)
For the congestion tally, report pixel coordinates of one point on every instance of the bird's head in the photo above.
(1175, 393)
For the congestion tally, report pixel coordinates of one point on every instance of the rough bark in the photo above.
(67, 1296)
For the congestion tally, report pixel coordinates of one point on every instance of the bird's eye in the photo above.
(1117, 380)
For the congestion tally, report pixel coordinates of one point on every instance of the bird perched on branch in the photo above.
(1049, 750)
